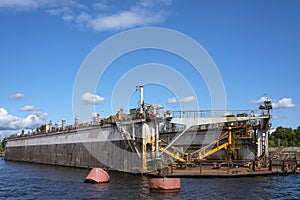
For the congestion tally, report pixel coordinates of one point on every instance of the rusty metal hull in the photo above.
(74, 155)
(88, 148)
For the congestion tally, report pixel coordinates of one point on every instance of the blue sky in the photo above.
(254, 44)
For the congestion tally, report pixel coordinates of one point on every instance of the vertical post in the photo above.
(231, 141)
(268, 106)
(228, 166)
(133, 131)
(282, 167)
(156, 138)
(267, 143)
(50, 127)
(230, 136)
(144, 150)
(200, 167)
(294, 170)
(141, 88)
(63, 123)
(76, 122)
(142, 95)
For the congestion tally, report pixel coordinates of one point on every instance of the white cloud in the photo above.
(182, 100)
(187, 99)
(19, 4)
(11, 122)
(84, 19)
(89, 98)
(124, 19)
(6, 133)
(282, 103)
(167, 2)
(28, 108)
(149, 3)
(55, 11)
(277, 117)
(172, 100)
(68, 17)
(259, 101)
(100, 6)
(16, 96)
(98, 16)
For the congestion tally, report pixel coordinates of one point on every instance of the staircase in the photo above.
(128, 139)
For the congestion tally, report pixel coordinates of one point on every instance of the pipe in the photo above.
(141, 88)
(63, 123)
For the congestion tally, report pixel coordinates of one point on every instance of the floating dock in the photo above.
(149, 140)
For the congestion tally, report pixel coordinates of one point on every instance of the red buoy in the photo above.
(97, 175)
(165, 184)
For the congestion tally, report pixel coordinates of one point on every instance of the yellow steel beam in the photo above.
(218, 148)
(173, 155)
(216, 141)
(174, 148)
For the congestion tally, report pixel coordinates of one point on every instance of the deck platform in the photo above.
(223, 172)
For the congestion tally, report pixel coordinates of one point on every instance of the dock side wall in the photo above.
(93, 154)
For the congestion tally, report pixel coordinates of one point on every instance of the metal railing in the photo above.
(212, 113)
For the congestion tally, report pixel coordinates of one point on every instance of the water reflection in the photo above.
(172, 196)
(31, 181)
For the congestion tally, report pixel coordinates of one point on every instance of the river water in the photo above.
(34, 181)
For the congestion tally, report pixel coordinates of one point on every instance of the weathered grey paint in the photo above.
(77, 155)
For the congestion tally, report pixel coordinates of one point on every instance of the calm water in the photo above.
(30, 181)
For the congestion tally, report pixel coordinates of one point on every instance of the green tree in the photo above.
(2, 146)
(272, 142)
(285, 137)
(297, 135)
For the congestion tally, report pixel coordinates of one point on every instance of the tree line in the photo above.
(286, 137)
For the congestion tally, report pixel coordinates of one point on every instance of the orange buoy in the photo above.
(165, 184)
(97, 175)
